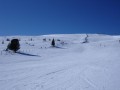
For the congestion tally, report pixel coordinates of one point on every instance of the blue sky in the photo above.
(36, 17)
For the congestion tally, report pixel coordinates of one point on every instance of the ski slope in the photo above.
(73, 65)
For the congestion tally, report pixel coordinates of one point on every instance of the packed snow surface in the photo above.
(78, 62)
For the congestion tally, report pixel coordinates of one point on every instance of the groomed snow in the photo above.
(72, 65)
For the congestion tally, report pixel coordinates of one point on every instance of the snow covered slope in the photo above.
(78, 62)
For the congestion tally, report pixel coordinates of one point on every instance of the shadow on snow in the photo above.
(22, 53)
(57, 47)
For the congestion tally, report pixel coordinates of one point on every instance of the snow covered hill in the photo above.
(78, 62)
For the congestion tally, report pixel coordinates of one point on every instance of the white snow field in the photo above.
(78, 62)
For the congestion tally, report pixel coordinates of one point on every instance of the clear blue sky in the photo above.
(36, 17)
